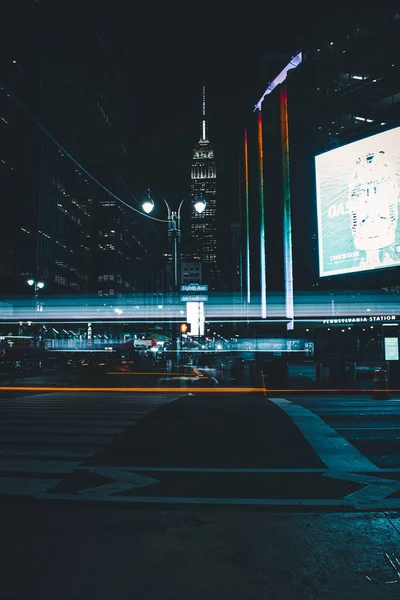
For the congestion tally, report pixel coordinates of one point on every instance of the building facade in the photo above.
(122, 257)
(190, 272)
(203, 186)
(18, 192)
(354, 93)
(345, 90)
(64, 113)
(64, 223)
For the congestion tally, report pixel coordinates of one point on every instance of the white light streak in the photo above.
(226, 307)
(280, 78)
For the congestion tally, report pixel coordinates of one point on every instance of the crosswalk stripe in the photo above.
(61, 430)
(64, 406)
(332, 449)
(55, 439)
(73, 421)
(38, 466)
(79, 405)
(71, 412)
(53, 433)
(77, 398)
(22, 486)
(32, 452)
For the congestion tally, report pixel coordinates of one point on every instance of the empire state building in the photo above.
(203, 225)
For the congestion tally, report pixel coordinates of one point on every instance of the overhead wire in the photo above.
(10, 94)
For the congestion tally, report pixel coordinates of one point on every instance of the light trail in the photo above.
(205, 390)
(219, 307)
(124, 390)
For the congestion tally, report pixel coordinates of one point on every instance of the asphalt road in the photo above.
(236, 448)
(224, 495)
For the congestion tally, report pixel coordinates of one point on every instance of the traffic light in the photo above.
(184, 328)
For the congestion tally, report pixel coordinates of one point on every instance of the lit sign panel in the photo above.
(358, 190)
(195, 316)
(195, 287)
(391, 348)
(198, 298)
(359, 320)
(278, 345)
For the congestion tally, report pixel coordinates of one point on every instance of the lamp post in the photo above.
(37, 285)
(174, 227)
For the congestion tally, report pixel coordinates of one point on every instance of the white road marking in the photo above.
(38, 466)
(390, 504)
(333, 450)
(39, 438)
(68, 421)
(125, 479)
(377, 488)
(64, 430)
(21, 486)
(346, 460)
(242, 470)
(367, 427)
(55, 452)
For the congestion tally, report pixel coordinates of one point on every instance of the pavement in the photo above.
(84, 553)
(187, 495)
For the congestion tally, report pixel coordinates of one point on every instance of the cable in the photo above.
(23, 107)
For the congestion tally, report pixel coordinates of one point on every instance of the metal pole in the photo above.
(287, 218)
(240, 238)
(178, 238)
(246, 170)
(36, 296)
(177, 277)
(263, 273)
(175, 261)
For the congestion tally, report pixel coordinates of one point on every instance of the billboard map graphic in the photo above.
(358, 190)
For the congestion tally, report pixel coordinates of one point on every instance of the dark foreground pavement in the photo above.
(160, 496)
(57, 551)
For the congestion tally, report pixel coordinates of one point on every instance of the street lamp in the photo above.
(174, 225)
(148, 204)
(38, 285)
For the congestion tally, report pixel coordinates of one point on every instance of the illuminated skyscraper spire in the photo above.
(203, 187)
(204, 136)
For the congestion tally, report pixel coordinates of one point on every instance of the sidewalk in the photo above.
(64, 551)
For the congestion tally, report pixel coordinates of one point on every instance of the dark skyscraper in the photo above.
(62, 227)
(203, 225)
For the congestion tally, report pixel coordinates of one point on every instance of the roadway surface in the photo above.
(225, 494)
(214, 447)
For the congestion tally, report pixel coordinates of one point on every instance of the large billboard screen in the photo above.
(358, 190)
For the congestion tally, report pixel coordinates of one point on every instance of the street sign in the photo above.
(198, 298)
(391, 348)
(195, 287)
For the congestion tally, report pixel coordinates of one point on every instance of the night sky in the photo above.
(172, 53)
(170, 63)
(172, 50)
